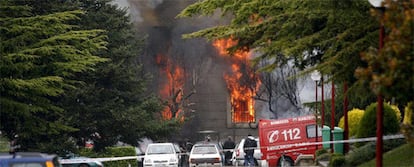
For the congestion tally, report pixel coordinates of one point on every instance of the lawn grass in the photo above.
(402, 156)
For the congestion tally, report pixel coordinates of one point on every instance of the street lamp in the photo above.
(378, 4)
(316, 76)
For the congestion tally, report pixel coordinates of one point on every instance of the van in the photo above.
(293, 138)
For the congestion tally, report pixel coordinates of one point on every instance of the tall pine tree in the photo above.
(40, 54)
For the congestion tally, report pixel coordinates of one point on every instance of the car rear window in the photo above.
(160, 149)
(205, 149)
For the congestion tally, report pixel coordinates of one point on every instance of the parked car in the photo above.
(80, 162)
(32, 159)
(238, 154)
(205, 154)
(162, 154)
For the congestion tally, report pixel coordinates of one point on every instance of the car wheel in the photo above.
(84, 165)
(286, 162)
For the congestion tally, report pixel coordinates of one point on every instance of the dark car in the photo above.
(32, 159)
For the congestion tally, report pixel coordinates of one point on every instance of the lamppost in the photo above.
(316, 76)
(378, 4)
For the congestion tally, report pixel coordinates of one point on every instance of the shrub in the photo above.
(113, 152)
(323, 157)
(320, 152)
(354, 117)
(396, 110)
(337, 160)
(407, 127)
(391, 144)
(367, 152)
(367, 126)
(361, 154)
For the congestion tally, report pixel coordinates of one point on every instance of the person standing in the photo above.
(249, 146)
(228, 145)
(188, 146)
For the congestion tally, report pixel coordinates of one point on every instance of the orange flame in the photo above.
(172, 89)
(242, 82)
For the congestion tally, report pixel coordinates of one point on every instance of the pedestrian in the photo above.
(249, 146)
(228, 145)
(208, 138)
(188, 145)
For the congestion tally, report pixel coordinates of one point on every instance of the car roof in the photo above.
(205, 144)
(160, 144)
(27, 157)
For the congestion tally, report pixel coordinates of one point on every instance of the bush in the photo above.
(323, 157)
(337, 160)
(320, 152)
(396, 110)
(367, 152)
(367, 126)
(391, 144)
(354, 117)
(361, 154)
(407, 127)
(113, 152)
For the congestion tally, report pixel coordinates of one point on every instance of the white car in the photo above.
(237, 158)
(161, 154)
(205, 154)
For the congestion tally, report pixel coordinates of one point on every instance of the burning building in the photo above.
(201, 83)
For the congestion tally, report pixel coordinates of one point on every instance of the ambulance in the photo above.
(284, 142)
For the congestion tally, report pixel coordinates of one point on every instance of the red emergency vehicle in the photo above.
(292, 137)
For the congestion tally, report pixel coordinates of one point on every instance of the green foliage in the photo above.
(38, 55)
(4, 144)
(354, 117)
(396, 110)
(283, 30)
(366, 125)
(391, 144)
(321, 151)
(112, 152)
(323, 157)
(114, 103)
(326, 35)
(389, 71)
(337, 160)
(407, 127)
(400, 156)
(70, 73)
(361, 154)
(367, 152)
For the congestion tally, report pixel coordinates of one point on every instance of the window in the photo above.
(242, 111)
(205, 149)
(27, 164)
(310, 131)
(160, 149)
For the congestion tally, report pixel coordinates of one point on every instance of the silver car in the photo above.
(205, 154)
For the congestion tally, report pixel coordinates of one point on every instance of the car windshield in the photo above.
(160, 149)
(204, 149)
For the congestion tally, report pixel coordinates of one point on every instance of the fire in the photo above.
(172, 88)
(242, 82)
